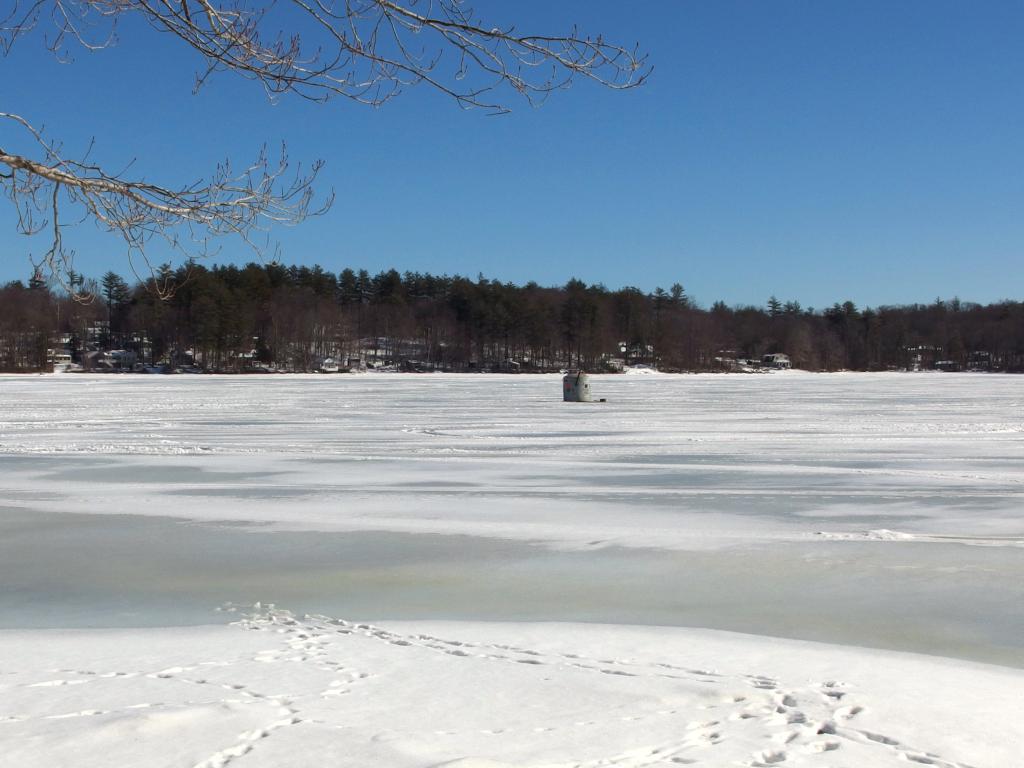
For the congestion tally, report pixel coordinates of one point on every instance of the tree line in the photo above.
(273, 317)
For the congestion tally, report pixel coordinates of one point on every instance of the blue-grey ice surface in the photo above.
(871, 509)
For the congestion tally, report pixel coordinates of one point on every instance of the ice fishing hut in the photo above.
(576, 387)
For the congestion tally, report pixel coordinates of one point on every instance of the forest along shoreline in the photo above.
(268, 317)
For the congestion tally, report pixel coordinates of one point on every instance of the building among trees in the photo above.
(264, 317)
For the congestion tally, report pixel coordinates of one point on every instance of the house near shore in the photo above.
(59, 358)
(922, 357)
(98, 360)
(776, 360)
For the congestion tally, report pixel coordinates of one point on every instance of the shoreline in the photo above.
(283, 689)
(560, 372)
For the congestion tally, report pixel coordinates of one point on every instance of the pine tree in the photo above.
(115, 291)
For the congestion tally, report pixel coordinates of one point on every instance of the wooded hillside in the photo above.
(267, 316)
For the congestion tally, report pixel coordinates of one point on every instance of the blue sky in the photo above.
(869, 151)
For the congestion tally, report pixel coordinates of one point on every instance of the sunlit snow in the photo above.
(873, 510)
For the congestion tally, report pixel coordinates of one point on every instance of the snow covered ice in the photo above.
(877, 514)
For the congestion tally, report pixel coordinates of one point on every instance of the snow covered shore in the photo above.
(276, 690)
(797, 503)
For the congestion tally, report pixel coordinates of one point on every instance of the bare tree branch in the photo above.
(241, 203)
(366, 50)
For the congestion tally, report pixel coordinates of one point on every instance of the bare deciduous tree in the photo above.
(367, 51)
(240, 203)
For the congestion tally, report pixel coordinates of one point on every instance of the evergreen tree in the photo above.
(37, 281)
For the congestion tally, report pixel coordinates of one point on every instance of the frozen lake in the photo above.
(866, 509)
